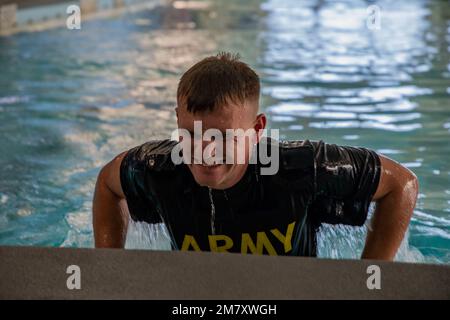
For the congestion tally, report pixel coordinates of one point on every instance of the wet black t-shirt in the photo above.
(262, 214)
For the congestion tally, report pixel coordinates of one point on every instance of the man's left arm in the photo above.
(395, 201)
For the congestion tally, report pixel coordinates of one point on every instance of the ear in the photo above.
(260, 125)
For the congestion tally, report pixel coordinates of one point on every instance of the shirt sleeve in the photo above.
(134, 175)
(346, 179)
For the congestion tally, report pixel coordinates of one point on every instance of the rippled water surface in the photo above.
(71, 100)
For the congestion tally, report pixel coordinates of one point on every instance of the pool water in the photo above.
(72, 99)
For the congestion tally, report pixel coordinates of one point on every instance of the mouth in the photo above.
(210, 166)
(204, 165)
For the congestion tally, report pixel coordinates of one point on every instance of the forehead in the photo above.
(225, 117)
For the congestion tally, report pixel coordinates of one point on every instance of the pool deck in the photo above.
(40, 273)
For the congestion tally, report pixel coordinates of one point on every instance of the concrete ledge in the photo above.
(8, 16)
(29, 3)
(40, 273)
(88, 6)
(39, 15)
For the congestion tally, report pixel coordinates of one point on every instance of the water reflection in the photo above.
(386, 89)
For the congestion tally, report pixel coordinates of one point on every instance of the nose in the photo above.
(206, 152)
(209, 151)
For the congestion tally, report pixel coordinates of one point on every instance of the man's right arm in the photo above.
(110, 211)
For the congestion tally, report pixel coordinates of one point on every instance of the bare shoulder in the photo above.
(110, 175)
(394, 175)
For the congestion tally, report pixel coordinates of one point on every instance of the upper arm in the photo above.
(394, 177)
(110, 175)
(110, 217)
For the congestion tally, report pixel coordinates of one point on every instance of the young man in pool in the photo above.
(225, 206)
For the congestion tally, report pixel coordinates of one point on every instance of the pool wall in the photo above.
(41, 273)
(36, 15)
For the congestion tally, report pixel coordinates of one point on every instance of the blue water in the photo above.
(72, 99)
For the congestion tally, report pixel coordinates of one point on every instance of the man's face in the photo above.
(229, 116)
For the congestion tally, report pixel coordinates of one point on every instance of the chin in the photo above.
(210, 176)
